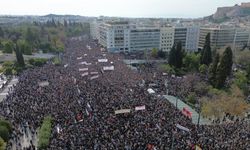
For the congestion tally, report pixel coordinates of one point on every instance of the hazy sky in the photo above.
(124, 8)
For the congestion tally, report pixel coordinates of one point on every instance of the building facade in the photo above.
(192, 38)
(166, 38)
(180, 35)
(144, 39)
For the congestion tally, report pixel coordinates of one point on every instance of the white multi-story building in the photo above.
(166, 38)
(115, 36)
(94, 29)
(192, 38)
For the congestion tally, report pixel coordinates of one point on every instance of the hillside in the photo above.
(242, 10)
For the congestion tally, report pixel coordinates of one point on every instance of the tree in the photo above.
(213, 69)
(176, 55)
(203, 69)
(191, 61)
(179, 55)
(167, 68)
(162, 54)
(224, 68)
(241, 81)
(154, 52)
(1, 33)
(4, 133)
(2, 144)
(8, 47)
(19, 56)
(25, 48)
(206, 54)
(172, 56)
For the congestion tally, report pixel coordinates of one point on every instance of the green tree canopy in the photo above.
(206, 53)
(224, 68)
(191, 61)
(176, 55)
(8, 47)
(213, 69)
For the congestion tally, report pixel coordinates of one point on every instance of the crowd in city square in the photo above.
(84, 99)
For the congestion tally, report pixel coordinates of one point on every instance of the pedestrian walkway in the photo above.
(5, 91)
(181, 105)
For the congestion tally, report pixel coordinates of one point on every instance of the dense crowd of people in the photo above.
(82, 103)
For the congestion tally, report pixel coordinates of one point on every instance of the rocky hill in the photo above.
(242, 10)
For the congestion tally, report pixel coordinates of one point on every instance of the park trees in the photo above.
(8, 47)
(213, 69)
(224, 67)
(206, 53)
(176, 55)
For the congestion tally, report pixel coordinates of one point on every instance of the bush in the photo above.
(6, 124)
(44, 133)
(191, 98)
(37, 61)
(56, 61)
(8, 47)
(167, 68)
(2, 144)
(4, 133)
(203, 68)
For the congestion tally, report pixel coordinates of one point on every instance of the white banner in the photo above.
(85, 74)
(182, 128)
(140, 107)
(122, 111)
(106, 68)
(83, 69)
(93, 73)
(84, 63)
(94, 77)
(43, 84)
(102, 60)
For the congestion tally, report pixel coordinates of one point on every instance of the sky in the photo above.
(122, 8)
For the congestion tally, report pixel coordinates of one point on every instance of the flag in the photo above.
(182, 128)
(140, 107)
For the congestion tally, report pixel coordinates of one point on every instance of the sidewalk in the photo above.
(181, 104)
(4, 93)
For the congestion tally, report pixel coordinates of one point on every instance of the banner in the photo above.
(94, 77)
(43, 83)
(106, 68)
(140, 107)
(85, 74)
(93, 73)
(83, 69)
(182, 128)
(122, 111)
(186, 112)
(84, 63)
(102, 60)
